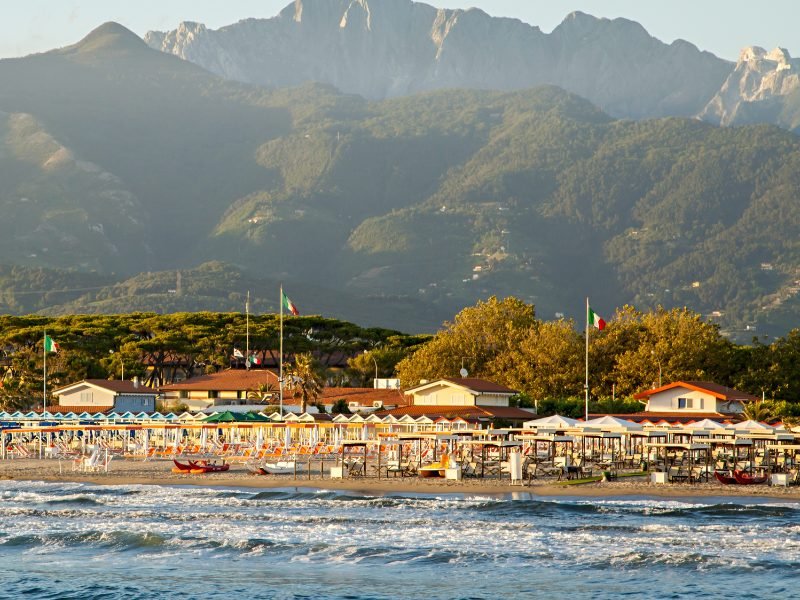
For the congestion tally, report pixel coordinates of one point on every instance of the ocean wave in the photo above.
(86, 500)
(116, 540)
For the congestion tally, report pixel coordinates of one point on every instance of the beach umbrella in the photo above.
(223, 417)
(703, 424)
(551, 422)
(752, 425)
(609, 422)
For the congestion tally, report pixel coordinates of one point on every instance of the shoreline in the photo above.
(159, 473)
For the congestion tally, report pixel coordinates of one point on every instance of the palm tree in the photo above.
(263, 393)
(758, 410)
(305, 381)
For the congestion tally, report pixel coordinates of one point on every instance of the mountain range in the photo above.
(388, 48)
(135, 180)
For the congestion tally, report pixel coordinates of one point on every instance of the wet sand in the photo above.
(159, 472)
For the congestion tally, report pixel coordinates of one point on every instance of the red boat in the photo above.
(724, 477)
(204, 466)
(184, 467)
(743, 478)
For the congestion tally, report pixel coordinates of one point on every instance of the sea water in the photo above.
(69, 540)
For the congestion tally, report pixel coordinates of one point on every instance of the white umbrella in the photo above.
(553, 421)
(752, 425)
(704, 424)
(259, 438)
(609, 422)
(203, 439)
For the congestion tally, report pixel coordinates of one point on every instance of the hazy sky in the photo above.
(720, 26)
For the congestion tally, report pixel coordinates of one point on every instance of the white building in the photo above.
(467, 391)
(93, 395)
(694, 397)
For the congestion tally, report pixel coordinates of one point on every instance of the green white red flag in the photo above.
(289, 305)
(50, 344)
(596, 320)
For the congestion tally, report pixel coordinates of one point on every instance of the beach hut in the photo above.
(424, 423)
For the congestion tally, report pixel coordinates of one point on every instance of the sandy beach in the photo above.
(126, 472)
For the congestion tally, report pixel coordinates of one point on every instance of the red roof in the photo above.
(720, 392)
(230, 380)
(363, 396)
(117, 386)
(78, 409)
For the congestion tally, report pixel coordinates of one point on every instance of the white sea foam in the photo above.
(186, 528)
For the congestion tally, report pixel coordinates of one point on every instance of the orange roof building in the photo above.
(231, 386)
(702, 399)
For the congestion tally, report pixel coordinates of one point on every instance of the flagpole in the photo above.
(280, 352)
(247, 343)
(44, 388)
(586, 383)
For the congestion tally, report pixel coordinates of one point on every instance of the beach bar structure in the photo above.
(681, 461)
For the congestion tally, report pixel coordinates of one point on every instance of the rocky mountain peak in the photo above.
(385, 48)
(754, 90)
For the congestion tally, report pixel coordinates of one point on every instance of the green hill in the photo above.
(118, 160)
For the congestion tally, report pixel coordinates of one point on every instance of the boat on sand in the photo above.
(281, 467)
(197, 467)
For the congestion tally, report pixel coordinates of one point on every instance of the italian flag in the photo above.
(289, 305)
(595, 319)
(50, 344)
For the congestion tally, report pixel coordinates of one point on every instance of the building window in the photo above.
(213, 394)
(87, 397)
(686, 403)
(183, 394)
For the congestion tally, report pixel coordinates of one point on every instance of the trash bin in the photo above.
(644, 466)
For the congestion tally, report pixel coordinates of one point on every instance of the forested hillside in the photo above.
(126, 165)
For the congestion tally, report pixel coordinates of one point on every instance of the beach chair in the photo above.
(794, 477)
(100, 464)
(356, 468)
(698, 474)
(469, 469)
(676, 473)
